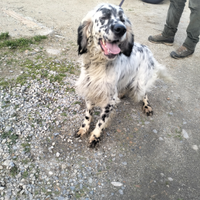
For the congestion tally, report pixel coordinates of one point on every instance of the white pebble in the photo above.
(57, 154)
(155, 131)
(170, 179)
(117, 184)
(195, 147)
(185, 134)
(50, 173)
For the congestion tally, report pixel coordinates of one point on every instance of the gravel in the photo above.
(40, 157)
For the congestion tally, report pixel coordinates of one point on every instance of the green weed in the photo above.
(21, 42)
(4, 36)
(26, 147)
(14, 171)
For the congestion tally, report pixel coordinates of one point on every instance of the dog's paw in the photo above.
(94, 141)
(147, 109)
(80, 133)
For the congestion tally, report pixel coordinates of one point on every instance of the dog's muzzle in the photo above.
(111, 48)
(119, 30)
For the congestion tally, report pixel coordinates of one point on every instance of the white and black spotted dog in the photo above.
(112, 66)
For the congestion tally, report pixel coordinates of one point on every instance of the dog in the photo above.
(113, 65)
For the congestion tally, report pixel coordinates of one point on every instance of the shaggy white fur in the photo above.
(112, 65)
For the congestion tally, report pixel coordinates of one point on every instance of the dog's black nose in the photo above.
(119, 29)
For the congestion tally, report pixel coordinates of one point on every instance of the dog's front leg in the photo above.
(87, 120)
(101, 124)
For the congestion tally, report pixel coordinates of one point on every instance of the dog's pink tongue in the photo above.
(112, 48)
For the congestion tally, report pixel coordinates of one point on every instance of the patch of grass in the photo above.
(14, 171)
(64, 114)
(37, 174)
(4, 36)
(178, 134)
(10, 136)
(26, 147)
(25, 161)
(23, 43)
(57, 78)
(77, 102)
(22, 78)
(4, 83)
(79, 194)
(25, 174)
(68, 89)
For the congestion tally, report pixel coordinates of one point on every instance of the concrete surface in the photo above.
(162, 154)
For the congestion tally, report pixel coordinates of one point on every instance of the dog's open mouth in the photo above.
(110, 49)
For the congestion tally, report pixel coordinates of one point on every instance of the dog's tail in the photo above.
(163, 73)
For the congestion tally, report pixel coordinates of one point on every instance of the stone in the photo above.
(121, 192)
(116, 184)
(7, 129)
(155, 131)
(57, 154)
(185, 134)
(50, 173)
(170, 179)
(195, 147)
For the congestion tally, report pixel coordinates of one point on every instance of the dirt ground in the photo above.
(162, 160)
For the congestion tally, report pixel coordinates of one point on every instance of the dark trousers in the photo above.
(173, 17)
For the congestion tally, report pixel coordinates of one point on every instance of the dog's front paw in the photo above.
(94, 141)
(147, 109)
(80, 133)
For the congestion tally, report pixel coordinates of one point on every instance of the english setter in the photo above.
(112, 66)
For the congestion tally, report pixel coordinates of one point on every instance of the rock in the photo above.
(170, 179)
(8, 163)
(162, 174)
(7, 129)
(155, 131)
(53, 51)
(57, 154)
(185, 134)
(195, 147)
(117, 184)
(121, 192)
(56, 134)
(50, 173)
(90, 180)
(72, 188)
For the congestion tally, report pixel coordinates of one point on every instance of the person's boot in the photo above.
(160, 39)
(181, 52)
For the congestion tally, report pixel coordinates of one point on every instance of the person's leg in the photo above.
(173, 17)
(193, 29)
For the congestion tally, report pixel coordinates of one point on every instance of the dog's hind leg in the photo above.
(146, 106)
(101, 124)
(87, 120)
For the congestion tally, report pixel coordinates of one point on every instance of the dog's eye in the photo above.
(103, 18)
(122, 19)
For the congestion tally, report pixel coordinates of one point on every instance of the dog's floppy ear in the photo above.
(84, 32)
(127, 45)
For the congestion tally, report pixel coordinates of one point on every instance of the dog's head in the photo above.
(108, 29)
